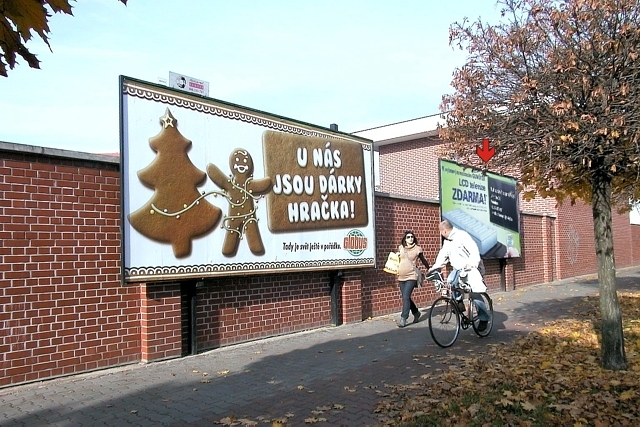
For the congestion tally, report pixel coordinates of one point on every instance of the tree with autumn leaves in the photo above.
(555, 87)
(18, 18)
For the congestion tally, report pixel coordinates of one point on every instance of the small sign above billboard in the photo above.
(188, 84)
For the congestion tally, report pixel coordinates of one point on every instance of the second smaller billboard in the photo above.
(483, 204)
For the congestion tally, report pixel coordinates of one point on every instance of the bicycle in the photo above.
(446, 318)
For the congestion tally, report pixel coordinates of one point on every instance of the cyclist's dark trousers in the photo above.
(406, 289)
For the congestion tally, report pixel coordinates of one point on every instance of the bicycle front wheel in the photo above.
(444, 322)
(481, 313)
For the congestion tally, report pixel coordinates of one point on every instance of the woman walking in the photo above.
(407, 276)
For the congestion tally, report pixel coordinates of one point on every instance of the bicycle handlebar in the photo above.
(435, 275)
(438, 280)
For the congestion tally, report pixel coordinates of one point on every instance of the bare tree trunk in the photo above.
(612, 352)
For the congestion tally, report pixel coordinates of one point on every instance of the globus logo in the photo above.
(355, 242)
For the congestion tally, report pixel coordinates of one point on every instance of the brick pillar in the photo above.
(548, 248)
(160, 321)
(352, 301)
(510, 276)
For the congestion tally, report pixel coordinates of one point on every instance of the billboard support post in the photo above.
(335, 283)
(193, 332)
(503, 274)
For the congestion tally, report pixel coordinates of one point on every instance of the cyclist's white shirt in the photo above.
(461, 250)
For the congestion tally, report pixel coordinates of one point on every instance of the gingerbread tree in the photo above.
(177, 212)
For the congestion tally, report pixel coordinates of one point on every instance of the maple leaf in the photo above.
(505, 402)
(545, 365)
(473, 409)
(527, 406)
(626, 395)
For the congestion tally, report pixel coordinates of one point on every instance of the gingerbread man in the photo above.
(242, 192)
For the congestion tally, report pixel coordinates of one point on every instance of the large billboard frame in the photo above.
(192, 208)
(484, 204)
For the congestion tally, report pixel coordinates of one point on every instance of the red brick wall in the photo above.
(538, 206)
(351, 298)
(575, 241)
(576, 235)
(63, 307)
(411, 168)
(622, 240)
(65, 311)
(160, 321)
(236, 309)
(635, 244)
(536, 264)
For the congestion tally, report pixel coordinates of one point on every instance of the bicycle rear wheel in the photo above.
(444, 322)
(481, 322)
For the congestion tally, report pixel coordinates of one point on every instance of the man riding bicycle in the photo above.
(462, 253)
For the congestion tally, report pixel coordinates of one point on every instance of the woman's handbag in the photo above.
(392, 264)
(419, 274)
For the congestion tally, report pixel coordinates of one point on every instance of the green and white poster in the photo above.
(483, 204)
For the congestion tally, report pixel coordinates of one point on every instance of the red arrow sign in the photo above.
(485, 153)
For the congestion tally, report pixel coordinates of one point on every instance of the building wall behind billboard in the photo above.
(410, 168)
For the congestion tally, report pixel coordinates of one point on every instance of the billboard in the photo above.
(216, 189)
(483, 204)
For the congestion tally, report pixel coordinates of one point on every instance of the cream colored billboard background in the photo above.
(215, 130)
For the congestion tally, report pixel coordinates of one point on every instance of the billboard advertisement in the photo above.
(215, 189)
(483, 204)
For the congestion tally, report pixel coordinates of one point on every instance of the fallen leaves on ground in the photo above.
(313, 420)
(548, 377)
(331, 409)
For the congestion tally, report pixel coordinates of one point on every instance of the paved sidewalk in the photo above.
(331, 376)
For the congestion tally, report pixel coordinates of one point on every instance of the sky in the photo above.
(356, 63)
